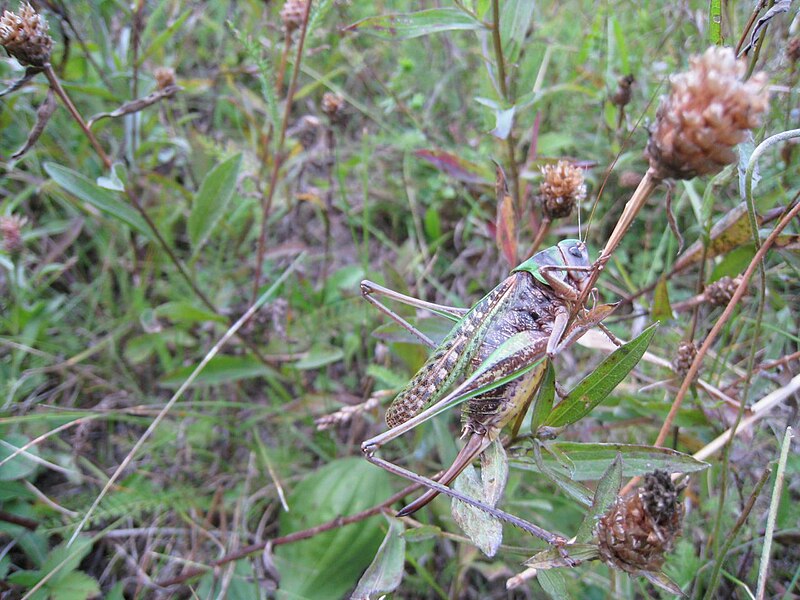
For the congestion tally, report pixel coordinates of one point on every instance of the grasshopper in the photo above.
(501, 346)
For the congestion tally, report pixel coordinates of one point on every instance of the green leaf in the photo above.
(544, 401)
(504, 121)
(404, 26)
(103, 200)
(212, 200)
(385, 573)
(606, 492)
(553, 583)
(221, 369)
(596, 386)
(186, 312)
(590, 461)
(75, 585)
(552, 558)
(485, 531)
(21, 465)
(64, 559)
(164, 36)
(662, 310)
(319, 356)
(386, 378)
(329, 564)
(715, 22)
(515, 20)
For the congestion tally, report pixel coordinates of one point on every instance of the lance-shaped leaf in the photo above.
(103, 200)
(544, 400)
(589, 461)
(596, 386)
(212, 199)
(485, 531)
(606, 492)
(455, 166)
(554, 584)
(385, 573)
(506, 221)
(662, 309)
(552, 558)
(405, 26)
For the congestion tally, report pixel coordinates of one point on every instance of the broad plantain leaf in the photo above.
(329, 564)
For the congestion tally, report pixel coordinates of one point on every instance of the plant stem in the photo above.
(501, 77)
(266, 202)
(724, 318)
(56, 86)
(643, 191)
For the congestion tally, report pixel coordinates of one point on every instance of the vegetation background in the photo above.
(115, 283)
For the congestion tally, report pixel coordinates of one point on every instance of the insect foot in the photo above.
(368, 449)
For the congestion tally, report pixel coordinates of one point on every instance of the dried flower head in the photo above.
(793, 50)
(561, 188)
(641, 527)
(684, 358)
(333, 105)
(622, 96)
(11, 232)
(292, 15)
(165, 77)
(707, 113)
(722, 290)
(25, 36)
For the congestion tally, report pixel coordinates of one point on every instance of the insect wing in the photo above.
(450, 358)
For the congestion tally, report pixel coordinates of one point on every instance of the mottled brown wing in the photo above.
(450, 358)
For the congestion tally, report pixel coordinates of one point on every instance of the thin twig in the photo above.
(294, 537)
(266, 202)
(726, 315)
(56, 86)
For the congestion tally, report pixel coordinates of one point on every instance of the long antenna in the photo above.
(623, 146)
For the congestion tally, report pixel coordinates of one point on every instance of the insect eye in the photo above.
(575, 251)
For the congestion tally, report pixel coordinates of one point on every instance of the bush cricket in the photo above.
(500, 345)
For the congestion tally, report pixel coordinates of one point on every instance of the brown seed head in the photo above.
(706, 114)
(684, 358)
(292, 15)
(622, 96)
(722, 290)
(333, 105)
(165, 77)
(25, 37)
(641, 527)
(561, 188)
(11, 232)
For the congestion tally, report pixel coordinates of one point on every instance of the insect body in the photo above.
(499, 345)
